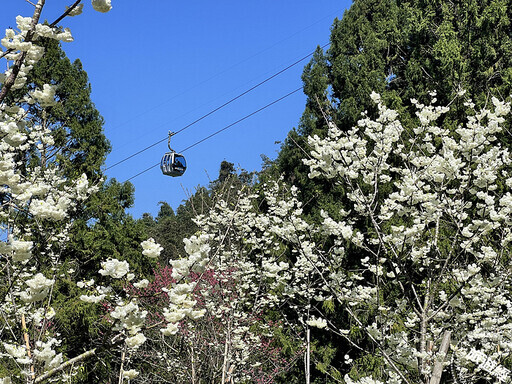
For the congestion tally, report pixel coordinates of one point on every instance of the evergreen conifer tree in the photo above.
(101, 226)
(402, 49)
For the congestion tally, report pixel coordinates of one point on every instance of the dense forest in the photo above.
(374, 249)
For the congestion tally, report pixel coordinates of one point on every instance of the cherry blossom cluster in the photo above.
(421, 240)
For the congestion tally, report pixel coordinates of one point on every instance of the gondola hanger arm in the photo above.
(169, 141)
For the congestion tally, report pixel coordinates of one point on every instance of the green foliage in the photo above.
(165, 211)
(105, 230)
(72, 314)
(229, 177)
(368, 365)
(402, 50)
(325, 354)
(76, 125)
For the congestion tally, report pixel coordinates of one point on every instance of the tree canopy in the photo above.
(403, 50)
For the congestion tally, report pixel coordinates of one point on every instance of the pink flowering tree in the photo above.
(222, 342)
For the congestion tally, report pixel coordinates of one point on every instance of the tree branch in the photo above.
(17, 65)
(68, 11)
(74, 360)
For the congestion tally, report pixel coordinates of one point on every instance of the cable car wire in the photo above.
(218, 108)
(167, 100)
(222, 129)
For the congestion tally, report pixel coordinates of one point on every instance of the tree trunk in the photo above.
(438, 366)
(307, 357)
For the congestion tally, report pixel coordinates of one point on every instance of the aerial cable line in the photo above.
(218, 108)
(167, 100)
(243, 118)
(222, 129)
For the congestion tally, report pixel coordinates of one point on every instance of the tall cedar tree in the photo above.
(402, 50)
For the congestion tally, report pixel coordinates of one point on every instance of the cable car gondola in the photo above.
(173, 164)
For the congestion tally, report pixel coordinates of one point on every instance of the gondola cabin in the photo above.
(173, 164)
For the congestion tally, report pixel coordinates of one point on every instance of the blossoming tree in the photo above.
(34, 213)
(436, 201)
(416, 264)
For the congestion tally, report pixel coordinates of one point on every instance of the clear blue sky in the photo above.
(158, 65)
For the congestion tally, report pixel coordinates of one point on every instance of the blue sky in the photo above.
(158, 65)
